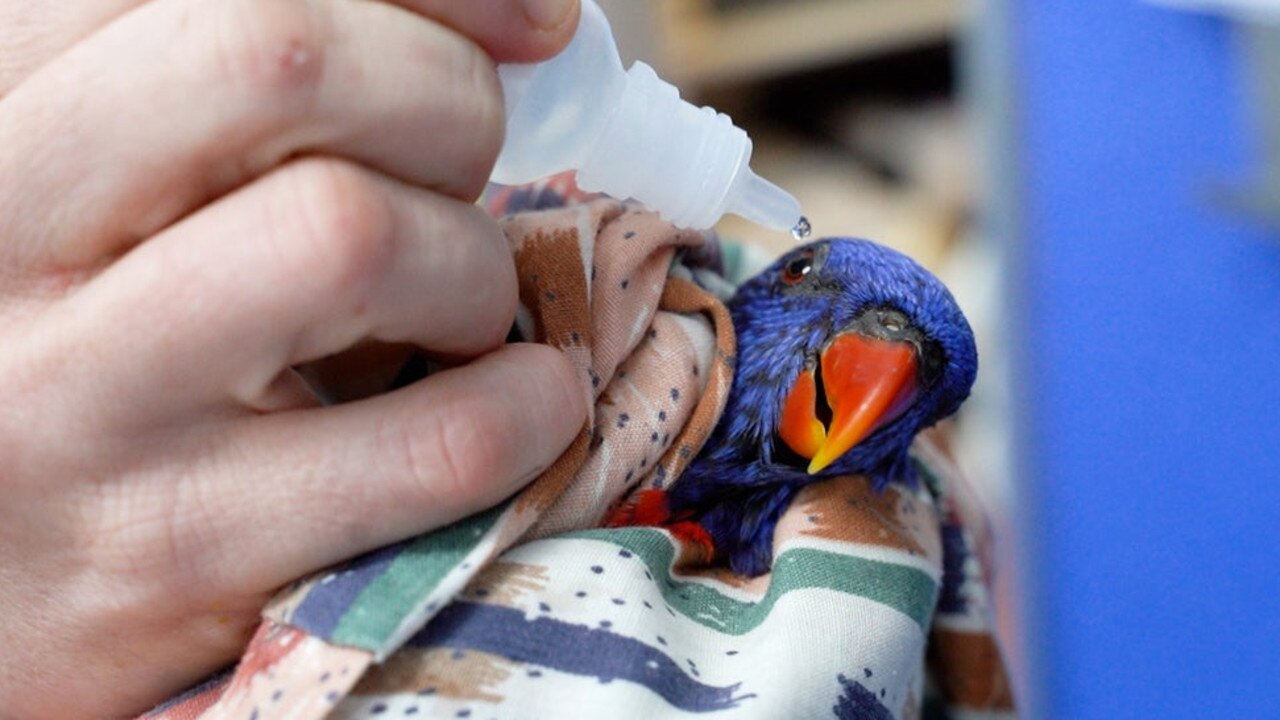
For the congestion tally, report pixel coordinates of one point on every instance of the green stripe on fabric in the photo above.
(382, 606)
(906, 589)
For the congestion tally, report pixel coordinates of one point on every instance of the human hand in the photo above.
(196, 197)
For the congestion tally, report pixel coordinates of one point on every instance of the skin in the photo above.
(197, 198)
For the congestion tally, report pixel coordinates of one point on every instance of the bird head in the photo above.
(846, 350)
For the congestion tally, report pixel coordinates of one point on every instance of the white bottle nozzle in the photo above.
(764, 203)
(630, 135)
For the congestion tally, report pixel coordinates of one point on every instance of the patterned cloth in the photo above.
(530, 611)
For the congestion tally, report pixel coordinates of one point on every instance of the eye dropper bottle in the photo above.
(628, 134)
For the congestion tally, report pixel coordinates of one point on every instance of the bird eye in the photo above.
(798, 267)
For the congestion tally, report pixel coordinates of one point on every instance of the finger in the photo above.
(317, 486)
(202, 97)
(509, 30)
(299, 265)
(37, 32)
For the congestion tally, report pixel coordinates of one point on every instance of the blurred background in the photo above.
(1099, 183)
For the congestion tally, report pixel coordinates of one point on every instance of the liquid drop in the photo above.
(802, 229)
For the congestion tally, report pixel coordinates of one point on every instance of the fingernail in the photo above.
(547, 14)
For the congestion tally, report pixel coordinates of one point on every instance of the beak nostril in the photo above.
(892, 322)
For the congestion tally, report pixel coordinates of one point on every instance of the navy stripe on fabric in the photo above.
(574, 649)
(327, 602)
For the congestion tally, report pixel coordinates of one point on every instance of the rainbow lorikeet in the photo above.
(846, 350)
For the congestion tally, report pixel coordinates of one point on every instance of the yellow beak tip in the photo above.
(817, 465)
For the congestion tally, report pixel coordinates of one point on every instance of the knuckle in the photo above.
(274, 48)
(344, 224)
(155, 539)
(449, 460)
(186, 541)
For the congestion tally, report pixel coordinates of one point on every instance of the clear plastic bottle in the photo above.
(630, 135)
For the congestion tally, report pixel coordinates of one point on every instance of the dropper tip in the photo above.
(764, 203)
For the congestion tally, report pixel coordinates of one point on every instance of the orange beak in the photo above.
(867, 383)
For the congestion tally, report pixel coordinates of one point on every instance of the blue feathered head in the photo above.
(846, 349)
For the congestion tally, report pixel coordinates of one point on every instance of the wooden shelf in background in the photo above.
(708, 47)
